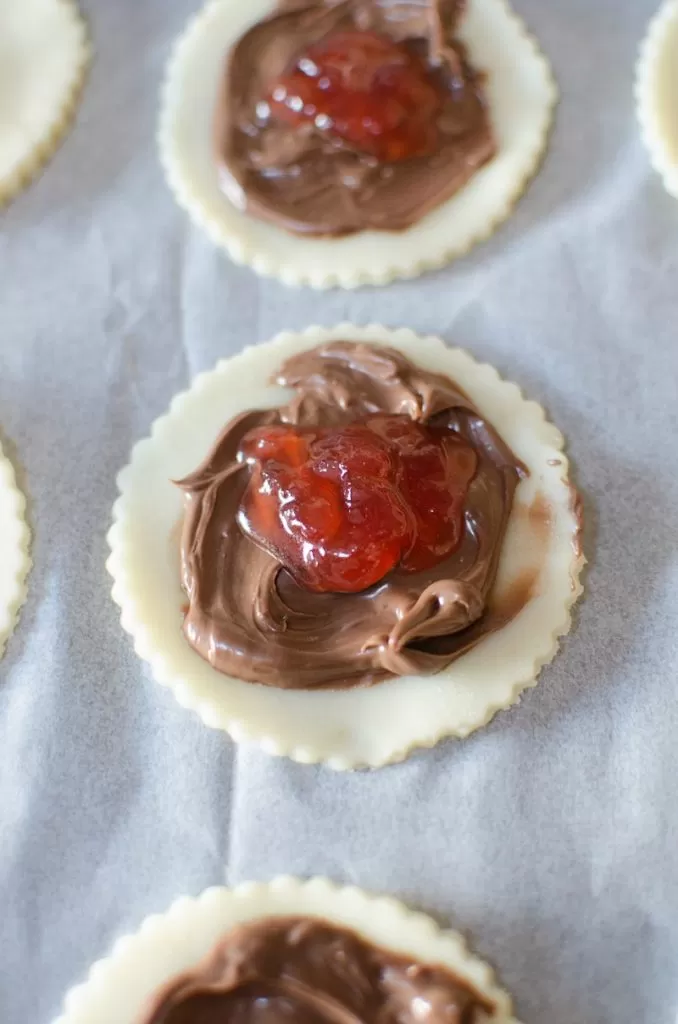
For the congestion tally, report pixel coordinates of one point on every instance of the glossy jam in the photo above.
(365, 89)
(342, 507)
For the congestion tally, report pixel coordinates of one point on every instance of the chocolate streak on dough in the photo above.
(309, 183)
(308, 971)
(248, 617)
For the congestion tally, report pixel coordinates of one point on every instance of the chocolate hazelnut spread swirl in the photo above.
(246, 614)
(313, 972)
(310, 182)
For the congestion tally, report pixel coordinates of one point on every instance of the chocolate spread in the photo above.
(248, 617)
(310, 183)
(308, 971)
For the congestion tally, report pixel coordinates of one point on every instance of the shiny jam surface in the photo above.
(365, 89)
(341, 507)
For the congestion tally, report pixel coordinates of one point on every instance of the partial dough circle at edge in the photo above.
(15, 561)
(656, 91)
(57, 121)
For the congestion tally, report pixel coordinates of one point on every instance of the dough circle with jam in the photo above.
(657, 93)
(120, 989)
(366, 726)
(520, 93)
(14, 558)
(43, 58)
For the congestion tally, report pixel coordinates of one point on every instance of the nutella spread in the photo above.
(248, 617)
(313, 972)
(309, 180)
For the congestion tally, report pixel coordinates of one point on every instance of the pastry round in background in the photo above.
(14, 558)
(425, 129)
(359, 669)
(43, 59)
(657, 93)
(308, 950)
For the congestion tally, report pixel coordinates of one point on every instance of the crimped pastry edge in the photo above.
(346, 750)
(169, 943)
(328, 272)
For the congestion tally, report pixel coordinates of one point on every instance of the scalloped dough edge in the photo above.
(118, 986)
(655, 99)
(15, 560)
(198, 687)
(37, 157)
(368, 271)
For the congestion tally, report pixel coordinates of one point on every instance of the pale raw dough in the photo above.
(14, 559)
(657, 93)
(521, 95)
(363, 726)
(43, 57)
(118, 987)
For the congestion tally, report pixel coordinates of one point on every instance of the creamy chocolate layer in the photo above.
(250, 619)
(310, 183)
(308, 971)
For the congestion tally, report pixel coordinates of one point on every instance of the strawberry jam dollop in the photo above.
(366, 89)
(341, 507)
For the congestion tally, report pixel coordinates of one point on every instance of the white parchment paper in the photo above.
(550, 837)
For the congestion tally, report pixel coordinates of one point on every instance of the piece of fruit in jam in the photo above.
(364, 88)
(342, 507)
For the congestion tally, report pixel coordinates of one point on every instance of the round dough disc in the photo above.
(119, 987)
(43, 58)
(521, 95)
(14, 559)
(357, 727)
(657, 93)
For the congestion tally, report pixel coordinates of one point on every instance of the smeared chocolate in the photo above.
(248, 617)
(310, 183)
(308, 971)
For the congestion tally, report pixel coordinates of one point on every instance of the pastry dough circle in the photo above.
(14, 558)
(43, 59)
(521, 96)
(356, 727)
(657, 93)
(118, 988)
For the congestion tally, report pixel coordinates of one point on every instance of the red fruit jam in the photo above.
(342, 507)
(365, 89)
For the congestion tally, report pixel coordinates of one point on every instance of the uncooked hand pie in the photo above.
(304, 951)
(386, 538)
(350, 143)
